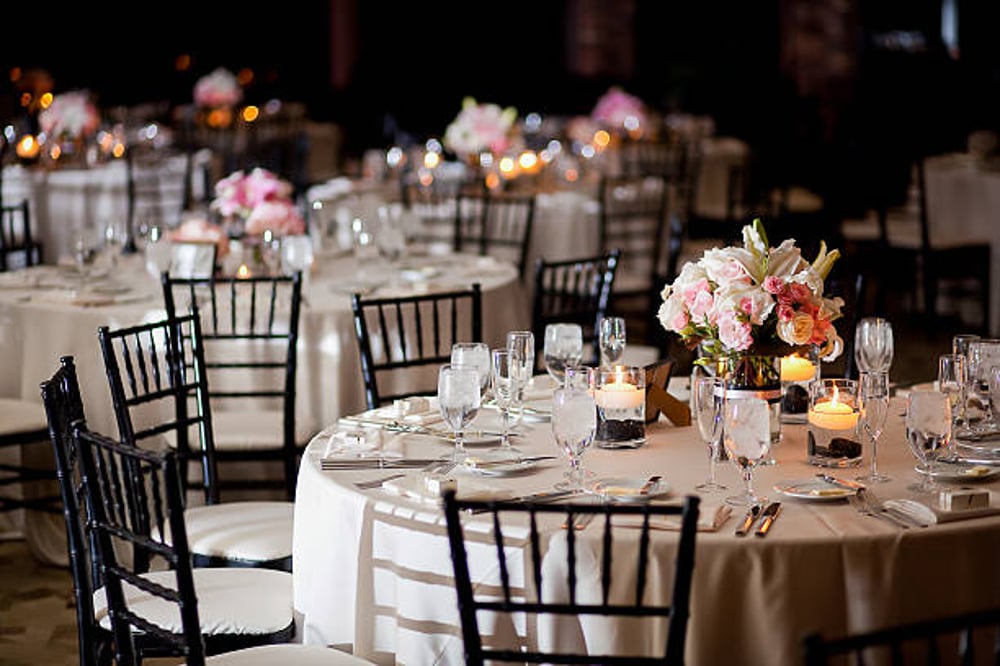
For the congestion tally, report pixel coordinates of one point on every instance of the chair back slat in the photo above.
(537, 530)
(18, 248)
(401, 337)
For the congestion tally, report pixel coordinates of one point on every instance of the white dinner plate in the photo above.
(497, 463)
(626, 488)
(814, 490)
(961, 473)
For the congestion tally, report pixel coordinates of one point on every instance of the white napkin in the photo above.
(928, 515)
(418, 414)
(415, 488)
(711, 517)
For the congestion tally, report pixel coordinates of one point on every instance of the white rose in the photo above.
(797, 330)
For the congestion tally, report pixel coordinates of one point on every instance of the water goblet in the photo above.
(747, 438)
(873, 344)
(983, 354)
(476, 355)
(563, 346)
(574, 424)
(873, 403)
(458, 394)
(928, 431)
(706, 403)
(611, 341)
(504, 378)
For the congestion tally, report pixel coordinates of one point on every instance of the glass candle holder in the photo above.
(798, 372)
(833, 439)
(620, 396)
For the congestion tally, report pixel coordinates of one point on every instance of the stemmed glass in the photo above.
(873, 344)
(952, 379)
(873, 401)
(459, 398)
(563, 347)
(983, 355)
(476, 355)
(960, 347)
(505, 376)
(706, 403)
(611, 341)
(574, 423)
(928, 431)
(521, 345)
(747, 437)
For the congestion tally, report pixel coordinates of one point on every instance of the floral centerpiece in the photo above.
(219, 88)
(479, 127)
(618, 110)
(71, 116)
(261, 200)
(754, 299)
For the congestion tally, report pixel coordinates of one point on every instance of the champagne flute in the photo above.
(928, 430)
(611, 341)
(521, 345)
(873, 401)
(574, 423)
(873, 344)
(563, 347)
(952, 379)
(960, 346)
(504, 378)
(459, 398)
(747, 438)
(706, 401)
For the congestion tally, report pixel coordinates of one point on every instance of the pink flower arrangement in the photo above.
(218, 88)
(260, 197)
(479, 127)
(618, 109)
(71, 115)
(754, 299)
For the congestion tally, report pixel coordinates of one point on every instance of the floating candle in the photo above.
(243, 272)
(619, 393)
(797, 369)
(833, 415)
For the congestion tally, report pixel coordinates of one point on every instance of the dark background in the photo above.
(388, 71)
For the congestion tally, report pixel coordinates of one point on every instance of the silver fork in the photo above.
(866, 504)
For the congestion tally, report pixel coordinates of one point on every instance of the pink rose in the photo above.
(734, 333)
(281, 217)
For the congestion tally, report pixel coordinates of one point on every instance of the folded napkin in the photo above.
(711, 517)
(416, 488)
(411, 411)
(358, 441)
(923, 514)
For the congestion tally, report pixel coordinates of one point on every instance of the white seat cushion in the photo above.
(21, 416)
(230, 601)
(255, 531)
(238, 430)
(287, 654)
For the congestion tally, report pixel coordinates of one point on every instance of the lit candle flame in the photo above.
(243, 272)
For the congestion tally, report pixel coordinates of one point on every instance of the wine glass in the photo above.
(873, 402)
(706, 401)
(297, 255)
(505, 376)
(521, 345)
(873, 344)
(476, 355)
(114, 235)
(611, 341)
(928, 431)
(983, 354)
(952, 379)
(459, 398)
(747, 437)
(574, 423)
(563, 347)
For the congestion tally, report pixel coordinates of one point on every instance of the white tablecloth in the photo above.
(373, 569)
(66, 200)
(38, 325)
(963, 197)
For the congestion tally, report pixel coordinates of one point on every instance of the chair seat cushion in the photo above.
(287, 654)
(236, 430)
(21, 416)
(230, 601)
(251, 531)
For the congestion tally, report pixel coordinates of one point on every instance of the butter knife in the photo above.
(650, 482)
(841, 483)
(748, 520)
(767, 518)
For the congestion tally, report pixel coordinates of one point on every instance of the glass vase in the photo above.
(756, 376)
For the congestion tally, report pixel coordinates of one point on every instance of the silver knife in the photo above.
(748, 520)
(767, 518)
(842, 483)
(543, 496)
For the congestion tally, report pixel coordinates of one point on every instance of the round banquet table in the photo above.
(43, 318)
(372, 568)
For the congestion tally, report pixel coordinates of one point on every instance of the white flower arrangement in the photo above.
(219, 88)
(479, 127)
(72, 115)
